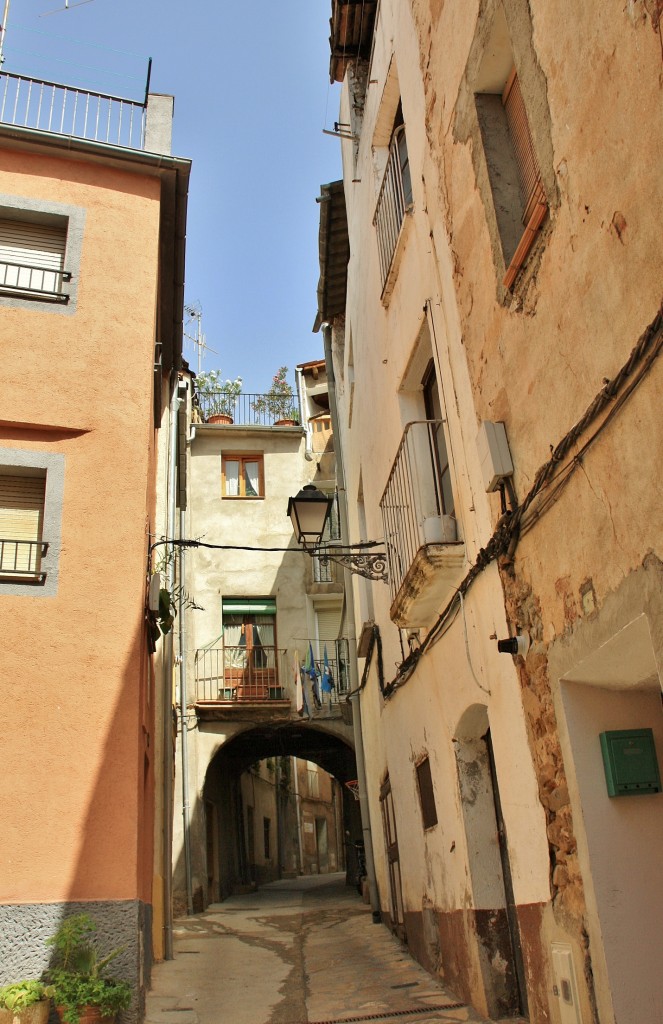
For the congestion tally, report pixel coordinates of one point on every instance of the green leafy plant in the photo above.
(21, 994)
(219, 395)
(279, 401)
(79, 977)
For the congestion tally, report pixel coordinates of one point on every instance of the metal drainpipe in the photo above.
(168, 692)
(184, 736)
(298, 808)
(352, 639)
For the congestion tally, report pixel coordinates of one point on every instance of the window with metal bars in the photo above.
(324, 573)
(395, 198)
(32, 260)
(21, 526)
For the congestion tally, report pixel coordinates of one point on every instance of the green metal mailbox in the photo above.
(629, 759)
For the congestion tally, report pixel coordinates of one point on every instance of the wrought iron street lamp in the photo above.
(309, 511)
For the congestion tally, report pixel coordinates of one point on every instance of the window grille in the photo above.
(394, 200)
(21, 523)
(32, 259)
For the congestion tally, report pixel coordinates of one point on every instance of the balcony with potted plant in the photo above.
(217, 399)
(279, 402)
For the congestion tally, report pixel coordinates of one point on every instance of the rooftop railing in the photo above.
(247, 410)
(66, 110)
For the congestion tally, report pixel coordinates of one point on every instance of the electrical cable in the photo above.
(512, 525)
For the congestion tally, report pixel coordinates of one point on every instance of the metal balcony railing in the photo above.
(413, 503)
(338, 663)
(247, 410)
(237, 674)
(264, 674)
(394, 200)
(26, 280)
(66, 110)
(21, 559)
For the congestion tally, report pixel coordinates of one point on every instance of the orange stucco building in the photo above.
(91, 296)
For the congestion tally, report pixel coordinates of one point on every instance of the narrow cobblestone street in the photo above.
(298, 951)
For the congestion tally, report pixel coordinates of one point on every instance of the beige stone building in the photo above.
(262, 617)
(499, 399)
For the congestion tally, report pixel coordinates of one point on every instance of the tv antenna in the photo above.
(67, 7)
(3, 29)
(5, 16)
(196, 314)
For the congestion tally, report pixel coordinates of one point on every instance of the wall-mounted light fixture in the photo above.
(309, 511)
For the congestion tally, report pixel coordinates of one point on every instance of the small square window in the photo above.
(243, 476)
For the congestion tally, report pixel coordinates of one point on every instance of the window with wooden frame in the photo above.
(513, 193)
(426, 794)
(533, 199)
(243, 475)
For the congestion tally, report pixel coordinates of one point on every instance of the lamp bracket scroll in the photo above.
(370, 565)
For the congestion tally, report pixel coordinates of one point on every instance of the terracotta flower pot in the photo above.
(285, 423)
(35, 1014)
(88, 1015)
(220, 417)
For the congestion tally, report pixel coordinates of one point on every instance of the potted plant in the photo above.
(218, 395)
(83, 992)
(279, 401)
(25, 1002)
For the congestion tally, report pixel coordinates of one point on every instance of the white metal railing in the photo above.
(30, 281)
(66, 110)
(22, 558)
(394, 200)
(413, 502)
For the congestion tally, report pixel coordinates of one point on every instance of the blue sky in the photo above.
(252, 96)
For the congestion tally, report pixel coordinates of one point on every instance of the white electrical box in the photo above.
(155, 587)
(494, 454)
(565, 987)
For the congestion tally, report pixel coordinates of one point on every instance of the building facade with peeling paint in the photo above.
(499, 414)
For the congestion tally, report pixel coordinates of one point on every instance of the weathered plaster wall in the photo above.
(455, 919)
(538, 357)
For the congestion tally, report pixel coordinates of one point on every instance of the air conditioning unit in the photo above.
(494, 454)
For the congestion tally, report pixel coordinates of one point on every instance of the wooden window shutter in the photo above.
(426, 794)
(535, 205)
